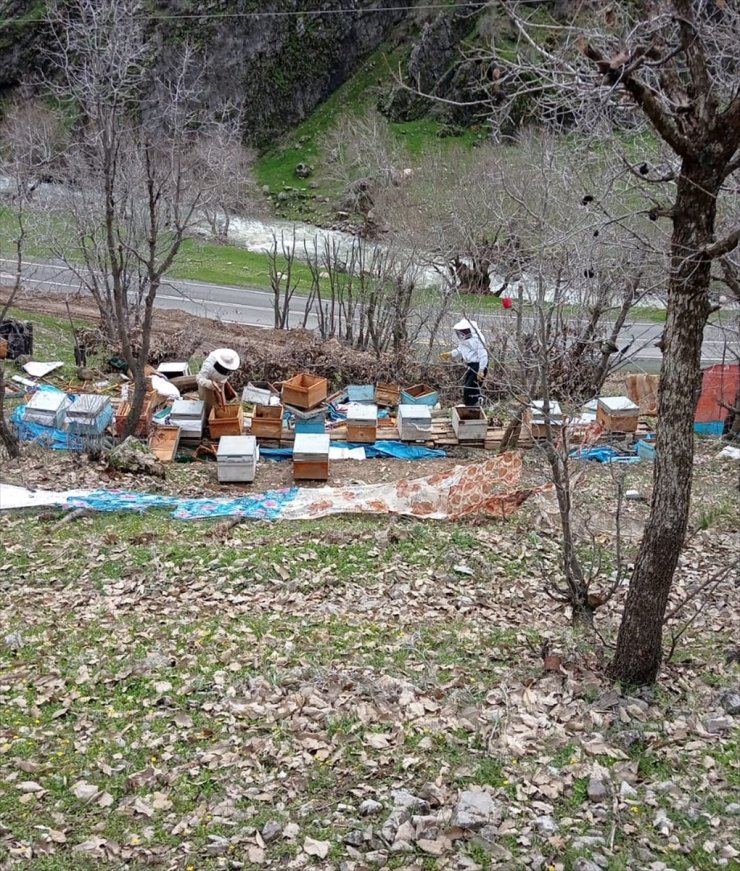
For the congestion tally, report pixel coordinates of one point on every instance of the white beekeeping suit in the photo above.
(471, 346)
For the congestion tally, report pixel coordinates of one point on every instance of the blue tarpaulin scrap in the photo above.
(57, 439)
(261, 506)
(603, 454)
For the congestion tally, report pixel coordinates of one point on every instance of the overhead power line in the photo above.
(291, 13)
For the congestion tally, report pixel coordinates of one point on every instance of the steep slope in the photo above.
(279, 59)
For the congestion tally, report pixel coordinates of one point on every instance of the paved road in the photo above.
(253, 306)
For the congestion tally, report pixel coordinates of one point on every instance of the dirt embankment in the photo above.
(266, 354)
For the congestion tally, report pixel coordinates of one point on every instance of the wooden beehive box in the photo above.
(188, 415)
(174, 369)
(387, 395)
(361, 393)
(617, 413)
(419, 394)
(534, 418)
(145, 418)
(311, 457)
(226, 420)
(469, 423)
(164, 441)
(362, 423)
(414, 423)
(236, 459)
(305, 391)
(267, 421)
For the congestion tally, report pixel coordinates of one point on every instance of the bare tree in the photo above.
(666, 70)
(31, 139)
(136, 185)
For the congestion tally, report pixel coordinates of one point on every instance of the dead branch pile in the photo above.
(332, 359)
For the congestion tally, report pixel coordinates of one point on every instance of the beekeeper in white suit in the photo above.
(213, 375)
(471, 350)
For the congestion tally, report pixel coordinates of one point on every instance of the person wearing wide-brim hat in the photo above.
(213, 375)
(471, 350)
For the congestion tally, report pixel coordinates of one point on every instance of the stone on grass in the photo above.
(370, 807)
(475, 809)
(545, 825)
(730, 702)
(582, 864)
(597, 790)
(272, 829)
(135, 458)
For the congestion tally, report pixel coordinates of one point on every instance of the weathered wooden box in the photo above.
(174, 369)
(258, 393)
(305, 391)
(47, 408)
(387, 395)
(88, 415)
(414, 423)
(469, 423)
(361, 393)
(267, 421)
(226, 420)
(362, 423)
(311, 457)
(145, 418)
(164, 441)
(419, 394)
(236, 459)
(535, 421)
(188, 414)
(617, 413)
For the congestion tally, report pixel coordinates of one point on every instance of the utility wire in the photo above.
(291, 13)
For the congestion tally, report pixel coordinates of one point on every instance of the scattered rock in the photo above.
(271, 830)
(597, 790)
(135, 458)
(265, 188)
(303, 170)
(405, 805)
(626, 791)
(730, 702)
(733, 809)
(355, 838)
(545, 826)
(475, 809)
(582, 864)
(14, 642)
(718, 724)
(369, 807)
(588, 842)
(432, 793)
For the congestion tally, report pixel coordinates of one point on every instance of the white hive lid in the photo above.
(362, 412)
(311, 443)
(415, 412)
(616, 404)
(236, 446)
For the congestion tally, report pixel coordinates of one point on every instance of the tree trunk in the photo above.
(639, 645)
(7, 436)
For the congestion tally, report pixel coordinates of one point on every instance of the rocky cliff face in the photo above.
(278, 66)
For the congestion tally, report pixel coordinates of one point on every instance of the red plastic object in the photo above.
(506, 302)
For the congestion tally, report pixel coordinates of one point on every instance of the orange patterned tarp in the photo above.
(488, 488)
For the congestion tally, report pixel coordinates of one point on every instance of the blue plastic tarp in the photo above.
(261, 506)
(57, 439)
(603, 454)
